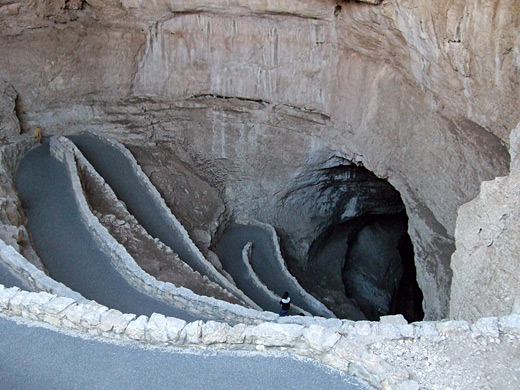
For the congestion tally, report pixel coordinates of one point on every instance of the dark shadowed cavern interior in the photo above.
(360, 261)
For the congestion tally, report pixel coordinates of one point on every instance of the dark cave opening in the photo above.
(360, 261)
(379, 271)
(408, 298)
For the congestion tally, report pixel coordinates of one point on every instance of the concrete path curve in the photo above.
(229, 249)
(246, 260)
(230, 254)
(66, 246)
(54, 360)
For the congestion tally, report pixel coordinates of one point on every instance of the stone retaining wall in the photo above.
(341, 344)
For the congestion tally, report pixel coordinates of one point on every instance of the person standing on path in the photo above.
(286, 304)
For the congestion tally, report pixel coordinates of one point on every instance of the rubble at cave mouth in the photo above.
(360, 258)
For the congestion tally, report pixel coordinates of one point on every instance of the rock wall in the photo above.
(12, 146)
(486, 266)
(251, 92)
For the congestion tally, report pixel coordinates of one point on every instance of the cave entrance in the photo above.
(379, 271)
(360, 258)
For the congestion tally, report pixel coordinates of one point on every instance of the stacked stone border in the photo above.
(341, 344)
(34, 278)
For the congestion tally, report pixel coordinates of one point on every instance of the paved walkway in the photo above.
(34, 358)
(229, 249)
(66, 246)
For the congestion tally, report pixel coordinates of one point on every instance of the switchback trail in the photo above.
(229, 249)
(67, 247)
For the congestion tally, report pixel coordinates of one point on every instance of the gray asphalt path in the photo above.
(35, 358)
(229, 250)
(67, 247)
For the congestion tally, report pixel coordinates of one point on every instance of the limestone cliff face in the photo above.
(248, 94)
(486, 266)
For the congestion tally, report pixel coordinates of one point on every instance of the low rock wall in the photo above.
(342, 344)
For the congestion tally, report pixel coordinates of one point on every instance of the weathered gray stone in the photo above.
(271, 334)
(56, 308)
(397, 319)
(72, 316)
(485, 264)
(214, 332)
(136, 328)
(192, 332)
(57, 305)
(374, 364)
(486, 326)
(363, 328)
(114, 321)
(348, 328)
(510, 323)
(453, 328)
(406, 331)
(92, 318)
(5, 296)
(156, 329)
(388, 331)
(320, 338)
(236, 335)
(9, 125)
(174, 328)
(35, 302)
(15, 302)
(409, 385)
(350, 350)
(426, 330)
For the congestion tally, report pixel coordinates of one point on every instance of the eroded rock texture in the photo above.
(486, 264)
(12, 229)
(247, 94)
